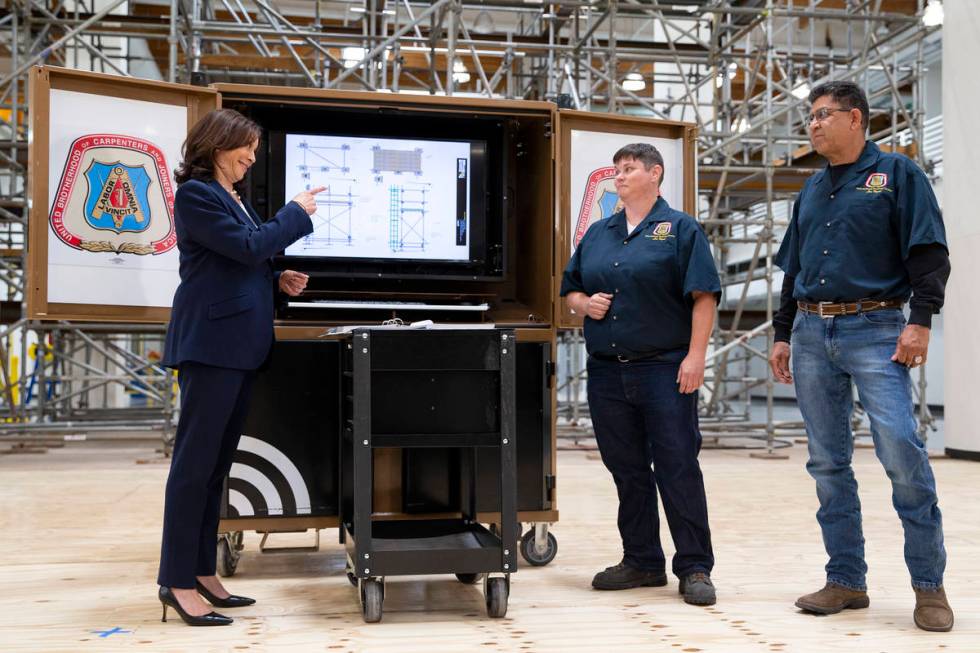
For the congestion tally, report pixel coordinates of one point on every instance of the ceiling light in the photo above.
(932, 15)
(483, 23)
(460, 74)
(352, 56)
(634, 82)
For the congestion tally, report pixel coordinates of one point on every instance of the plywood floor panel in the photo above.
(80, 533)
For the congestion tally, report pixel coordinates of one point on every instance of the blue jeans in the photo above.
(640, 419)
(828, 355)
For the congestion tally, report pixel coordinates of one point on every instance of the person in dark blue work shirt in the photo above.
(220, 331)
(646, 283)
(866, 235)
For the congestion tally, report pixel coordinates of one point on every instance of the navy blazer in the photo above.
(223, 308)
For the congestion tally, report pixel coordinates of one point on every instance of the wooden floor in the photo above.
(80, 534)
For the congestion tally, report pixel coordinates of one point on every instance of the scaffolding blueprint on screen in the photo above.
(385, 198)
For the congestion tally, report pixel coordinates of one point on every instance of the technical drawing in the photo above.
(407, 208)
(322, 158)
(397, 161)
(385, 198)
(332, 223)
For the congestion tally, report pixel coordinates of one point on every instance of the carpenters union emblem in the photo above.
(877, 182)
(661, 231)
(121, 203)
(599, 201)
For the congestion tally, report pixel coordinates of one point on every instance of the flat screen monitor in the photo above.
(409, 195)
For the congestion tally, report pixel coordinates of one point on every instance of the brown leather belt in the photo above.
(829, 309)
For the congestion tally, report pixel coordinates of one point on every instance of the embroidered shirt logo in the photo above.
(661, 231)
(877, 182)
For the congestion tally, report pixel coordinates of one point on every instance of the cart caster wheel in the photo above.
(352, 579)
(468, 579)
(228, 557)
(532, 557)
(496, 596)
(372, 597)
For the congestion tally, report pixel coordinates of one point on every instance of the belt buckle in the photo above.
(620, 358)
(820, 306)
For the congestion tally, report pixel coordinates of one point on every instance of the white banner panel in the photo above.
(961, 165)
(111, 237)
(593, 193)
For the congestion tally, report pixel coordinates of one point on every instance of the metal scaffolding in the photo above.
(739, 69)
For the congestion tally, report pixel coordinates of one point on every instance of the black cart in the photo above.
(445, 389)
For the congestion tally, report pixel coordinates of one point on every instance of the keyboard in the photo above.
(385, 305)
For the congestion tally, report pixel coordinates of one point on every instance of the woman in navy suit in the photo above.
(220, 332)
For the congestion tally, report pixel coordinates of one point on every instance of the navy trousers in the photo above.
(642, 420)
(213, 407)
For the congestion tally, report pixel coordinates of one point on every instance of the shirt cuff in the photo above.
(921, 315)
(782, 333)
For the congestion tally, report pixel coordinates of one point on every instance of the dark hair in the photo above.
(222, 129)
(848, 94)
(648, 155)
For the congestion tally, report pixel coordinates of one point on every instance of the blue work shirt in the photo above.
(651, 274)
(849, 241)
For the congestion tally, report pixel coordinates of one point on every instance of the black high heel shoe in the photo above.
(168, 599)
(232, 601)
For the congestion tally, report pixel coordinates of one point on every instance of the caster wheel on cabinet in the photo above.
(496, 596)
(534, 558)
(372, 598)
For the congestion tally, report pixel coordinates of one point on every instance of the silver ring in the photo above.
(917, 360)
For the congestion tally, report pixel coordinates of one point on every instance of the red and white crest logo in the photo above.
(599, 201)
(115, 196)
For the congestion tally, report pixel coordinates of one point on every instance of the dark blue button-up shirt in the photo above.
(850, 240)
(651, 274)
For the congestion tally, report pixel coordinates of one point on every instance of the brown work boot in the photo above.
(832, 599)
(932, 611)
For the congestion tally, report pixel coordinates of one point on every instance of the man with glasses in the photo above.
(866, 236)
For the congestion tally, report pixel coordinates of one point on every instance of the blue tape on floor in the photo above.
(115, 631)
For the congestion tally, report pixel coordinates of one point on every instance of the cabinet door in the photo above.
(101, 239)
(585, 190)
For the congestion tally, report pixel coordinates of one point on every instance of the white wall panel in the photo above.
(961, 170)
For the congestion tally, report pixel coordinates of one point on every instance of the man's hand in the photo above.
(690, 376)
(293, 283)
(912, 348)
(307, 199)
(779, 362)
(598, 305)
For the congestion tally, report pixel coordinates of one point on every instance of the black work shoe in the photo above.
(624, 577)
(697, 589)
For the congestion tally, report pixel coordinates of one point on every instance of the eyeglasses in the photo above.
(820, 115)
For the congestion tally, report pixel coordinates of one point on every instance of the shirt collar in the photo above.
(869, 157)
(658, 210)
